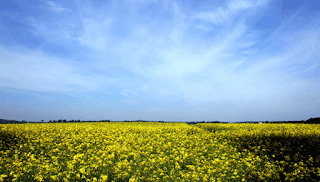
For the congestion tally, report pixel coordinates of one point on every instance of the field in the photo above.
(153, 151)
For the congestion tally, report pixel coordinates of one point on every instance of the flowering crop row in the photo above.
(159, 152)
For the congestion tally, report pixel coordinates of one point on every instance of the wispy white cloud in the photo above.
(156, 56)
(55, 7)
(222, 15)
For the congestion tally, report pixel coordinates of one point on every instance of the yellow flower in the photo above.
(132, 179)
(3, 176)
(39, 178)
(104, 177)
(235, 173)
(83, 170)
(54, 177)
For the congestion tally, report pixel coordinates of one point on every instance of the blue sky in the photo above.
(236, 60)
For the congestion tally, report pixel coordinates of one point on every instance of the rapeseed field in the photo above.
(153, 151)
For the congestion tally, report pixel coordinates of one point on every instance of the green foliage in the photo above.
(9, 139)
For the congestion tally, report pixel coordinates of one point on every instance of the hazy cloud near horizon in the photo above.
(164, 60)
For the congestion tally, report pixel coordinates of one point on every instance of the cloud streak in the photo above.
(166, 60)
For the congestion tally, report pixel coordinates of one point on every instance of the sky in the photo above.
(160, 60)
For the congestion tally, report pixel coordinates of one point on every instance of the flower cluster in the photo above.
(160, 152)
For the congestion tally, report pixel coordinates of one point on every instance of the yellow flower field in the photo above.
(152, 151)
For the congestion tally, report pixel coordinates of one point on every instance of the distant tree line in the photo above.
(74, 121)
(309, 121)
